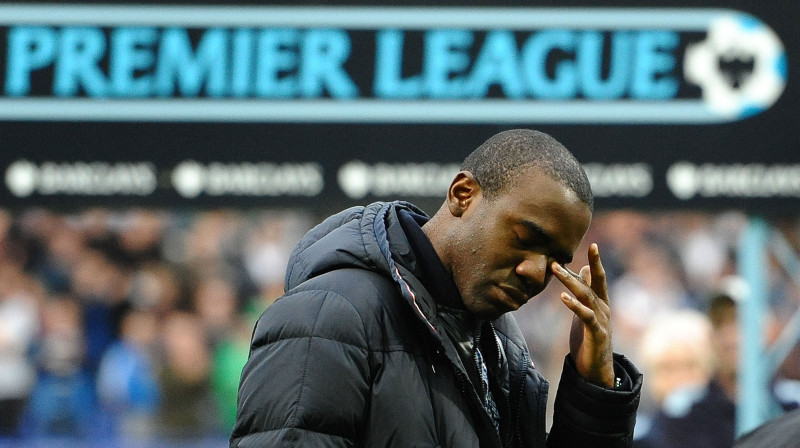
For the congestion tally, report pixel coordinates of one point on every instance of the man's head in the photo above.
(501, 158)
(676, 352)
(520, 202)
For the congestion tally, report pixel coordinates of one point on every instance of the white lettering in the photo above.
(82, 178)
(248, 179)
(631, 180)
(738, 180)
(357, 179)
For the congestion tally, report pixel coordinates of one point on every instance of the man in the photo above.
(394, 332)
(779, 432)
(677, 351)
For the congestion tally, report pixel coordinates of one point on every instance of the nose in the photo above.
(535, 272)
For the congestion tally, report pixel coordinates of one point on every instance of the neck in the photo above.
(434, 229)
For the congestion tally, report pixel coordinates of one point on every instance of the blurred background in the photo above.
(161, 160)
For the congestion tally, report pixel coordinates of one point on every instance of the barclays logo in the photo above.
(390, 65)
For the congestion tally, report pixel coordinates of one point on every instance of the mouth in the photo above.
(517, 297)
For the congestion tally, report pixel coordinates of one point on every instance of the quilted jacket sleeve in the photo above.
(593, 417)
(306, 381)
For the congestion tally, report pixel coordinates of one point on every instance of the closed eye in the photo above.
(533, 237)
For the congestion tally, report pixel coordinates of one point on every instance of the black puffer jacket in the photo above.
(352, 356)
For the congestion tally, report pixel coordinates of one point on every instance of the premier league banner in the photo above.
(272, 105)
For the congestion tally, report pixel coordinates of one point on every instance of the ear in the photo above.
(463, 191)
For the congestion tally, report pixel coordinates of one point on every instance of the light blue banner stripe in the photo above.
(679, 19)
(361, 111)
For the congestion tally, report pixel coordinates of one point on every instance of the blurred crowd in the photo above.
(135, 324)
(132, 325)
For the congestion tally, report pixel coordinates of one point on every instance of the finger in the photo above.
(586, 275)
(583, 312)
(574, 283)
(598, 273)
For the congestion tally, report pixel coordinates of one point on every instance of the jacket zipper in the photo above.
(469, 393)
(515, 406)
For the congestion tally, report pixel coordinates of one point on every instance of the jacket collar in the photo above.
(429, 267)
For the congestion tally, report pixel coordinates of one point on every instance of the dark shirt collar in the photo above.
(432, 272)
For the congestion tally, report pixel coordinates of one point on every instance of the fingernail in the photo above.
(560, 269)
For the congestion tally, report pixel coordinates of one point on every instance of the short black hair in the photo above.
(502, 157)
(721, 310)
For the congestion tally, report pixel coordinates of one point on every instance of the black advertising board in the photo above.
(668, 104)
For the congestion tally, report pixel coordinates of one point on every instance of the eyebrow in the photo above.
(561, 255)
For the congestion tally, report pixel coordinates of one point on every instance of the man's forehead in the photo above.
(547, 206)
(534, 185)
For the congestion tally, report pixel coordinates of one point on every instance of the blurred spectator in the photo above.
(140, 237)
(725, 342)
(19, 325)
(723, 315)
(216, 303)
(230, 356)
(693, 409)
(127, 382)
(651, 284)
(63, 401)
(12, 244)
(157, 286)
(266, 254)
(188, 408)
(704, 253)
(64, 245)
(99, 285)
(722, 311)
(213, 239)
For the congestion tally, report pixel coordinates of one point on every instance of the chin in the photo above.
(490, 305)
(490, 313)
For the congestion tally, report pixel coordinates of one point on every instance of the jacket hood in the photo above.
(359, 237)
(368, 238)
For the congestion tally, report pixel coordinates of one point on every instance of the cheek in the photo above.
(481, 260)
(469, 274)
(472, 280)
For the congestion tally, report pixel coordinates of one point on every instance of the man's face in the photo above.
(501, 249)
